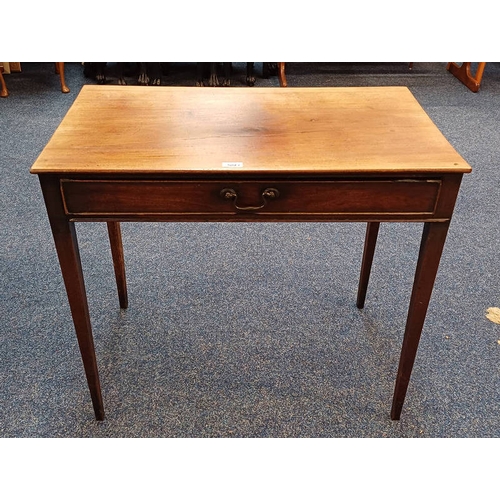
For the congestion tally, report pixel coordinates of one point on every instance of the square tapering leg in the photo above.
(63, 231)
(115, 240)
(431, 248)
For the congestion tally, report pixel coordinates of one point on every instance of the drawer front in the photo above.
(161, 197)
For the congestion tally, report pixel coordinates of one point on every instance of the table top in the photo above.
(182, 130)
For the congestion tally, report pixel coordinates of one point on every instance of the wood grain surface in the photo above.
(117, 129)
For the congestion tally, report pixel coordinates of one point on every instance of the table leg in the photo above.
(366, 265)
(431, 248)
(68, 253)
(115, 239)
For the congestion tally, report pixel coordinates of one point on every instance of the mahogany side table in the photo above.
(244, 155)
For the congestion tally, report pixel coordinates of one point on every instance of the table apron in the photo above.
(254, 200)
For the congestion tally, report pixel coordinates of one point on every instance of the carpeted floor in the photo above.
(251, 330)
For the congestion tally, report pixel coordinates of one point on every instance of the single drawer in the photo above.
(289, 197)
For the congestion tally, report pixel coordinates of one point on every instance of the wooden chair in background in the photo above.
(59, 68)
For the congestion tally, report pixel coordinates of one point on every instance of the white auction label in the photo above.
(237, 164)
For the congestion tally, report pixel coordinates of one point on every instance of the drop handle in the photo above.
(267, 194)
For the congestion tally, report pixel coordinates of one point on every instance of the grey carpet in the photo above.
(251, 330)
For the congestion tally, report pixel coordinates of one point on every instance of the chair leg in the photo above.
(3, 87)
(60, 72)
(463, 74)
(281, 74)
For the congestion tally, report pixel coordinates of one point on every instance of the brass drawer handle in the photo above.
(267, 194)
